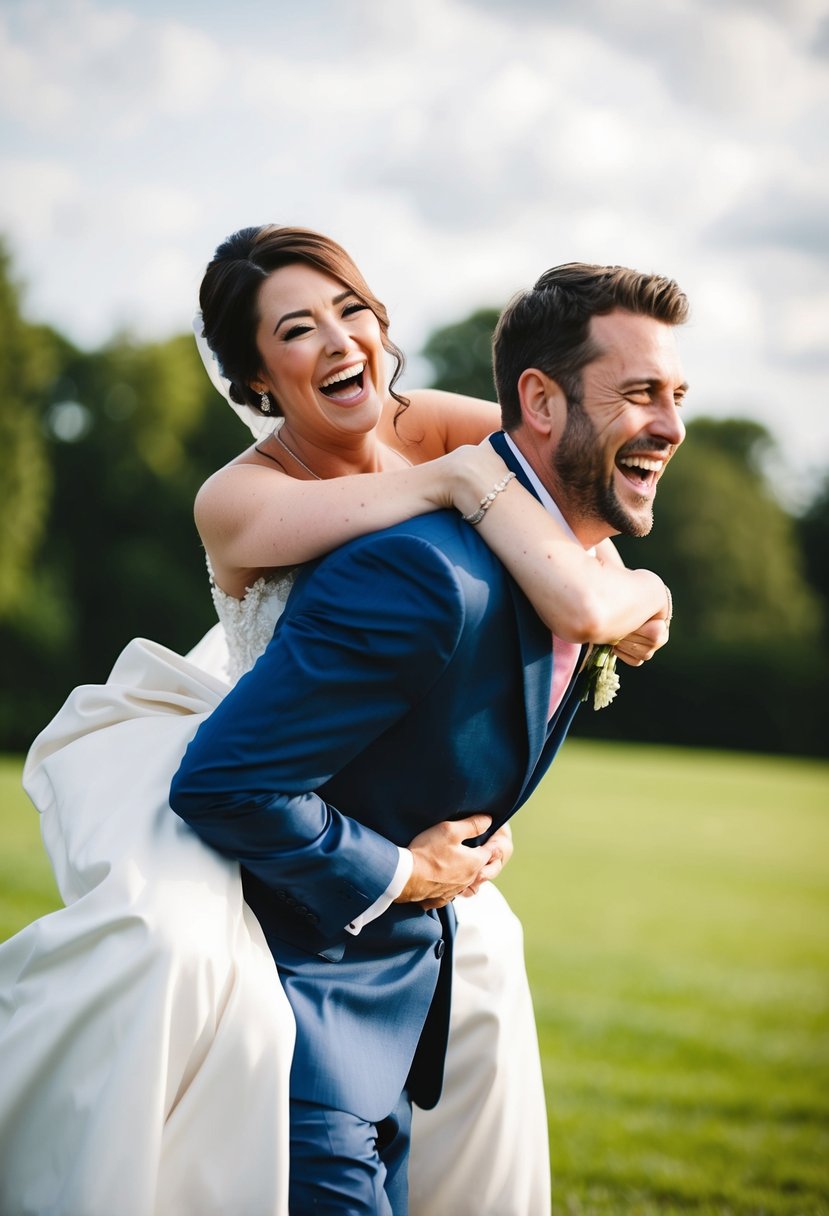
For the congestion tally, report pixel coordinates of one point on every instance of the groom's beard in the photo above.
(585, 482)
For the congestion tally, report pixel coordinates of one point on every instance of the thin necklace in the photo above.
(276, 435)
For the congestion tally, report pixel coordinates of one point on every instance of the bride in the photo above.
(145, 1042)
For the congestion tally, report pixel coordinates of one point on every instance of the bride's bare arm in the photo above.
(256, 518)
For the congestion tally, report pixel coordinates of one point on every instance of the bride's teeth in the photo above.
(347, 373)
(641, 462)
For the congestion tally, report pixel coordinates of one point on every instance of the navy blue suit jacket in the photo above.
(407, 682)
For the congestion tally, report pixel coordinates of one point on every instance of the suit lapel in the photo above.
(536, 652)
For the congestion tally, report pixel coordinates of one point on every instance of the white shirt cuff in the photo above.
(401, 876)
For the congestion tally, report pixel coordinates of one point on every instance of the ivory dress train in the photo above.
(145, 1041)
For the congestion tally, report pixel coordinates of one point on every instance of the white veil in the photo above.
(258, 424)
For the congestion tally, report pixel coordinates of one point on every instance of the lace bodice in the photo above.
(249, 623)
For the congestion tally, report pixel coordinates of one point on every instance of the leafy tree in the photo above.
(748, 443)
(28, 358)
(813, 529)
(461, 355)
(129, 432)
(743, 667)
(126, 544)
(726, 547)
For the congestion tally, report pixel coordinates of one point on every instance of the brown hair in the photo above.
(548, 327)
(229, 297)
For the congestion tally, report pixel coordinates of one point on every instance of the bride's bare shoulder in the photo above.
(436, 422)
(230, 488)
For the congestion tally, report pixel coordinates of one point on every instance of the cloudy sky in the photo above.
(456, 147)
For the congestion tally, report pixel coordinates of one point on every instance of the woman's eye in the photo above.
(355, 306)
(296, 331)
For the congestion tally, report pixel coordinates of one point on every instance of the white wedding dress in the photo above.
(145, 1041)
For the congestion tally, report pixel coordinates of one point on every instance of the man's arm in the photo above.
(374, 627)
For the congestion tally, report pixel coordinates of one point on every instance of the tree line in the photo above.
(101, 454)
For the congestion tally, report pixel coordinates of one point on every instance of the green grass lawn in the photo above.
(27, 888)
(676, 909)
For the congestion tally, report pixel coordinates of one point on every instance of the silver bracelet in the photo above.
(670, 615)
(487, 501)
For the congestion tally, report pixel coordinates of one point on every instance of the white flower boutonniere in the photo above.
(602, 681)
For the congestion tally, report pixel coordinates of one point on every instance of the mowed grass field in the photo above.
(676, 913)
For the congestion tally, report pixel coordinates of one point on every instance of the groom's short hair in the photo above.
(548, 326)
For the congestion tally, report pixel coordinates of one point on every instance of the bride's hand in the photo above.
(641, 645)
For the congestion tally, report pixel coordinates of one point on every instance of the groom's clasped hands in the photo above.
(445, 866)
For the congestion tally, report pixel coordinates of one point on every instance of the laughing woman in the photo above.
(145, 1042)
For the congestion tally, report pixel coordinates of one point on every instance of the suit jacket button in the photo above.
(439, 948)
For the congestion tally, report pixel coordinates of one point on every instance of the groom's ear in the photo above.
(543, 404)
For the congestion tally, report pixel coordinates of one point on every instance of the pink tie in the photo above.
(565, 657)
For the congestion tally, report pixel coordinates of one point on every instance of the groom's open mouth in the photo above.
(640, 471)
(345, 385)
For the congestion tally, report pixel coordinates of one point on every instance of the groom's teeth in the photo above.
(641, 462)
(348, 373)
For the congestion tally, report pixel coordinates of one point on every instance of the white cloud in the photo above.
(26, 95)
(152, 211)
(69, 60)
(36, 197)
(191, 70)
(80, 69)
(804, 324)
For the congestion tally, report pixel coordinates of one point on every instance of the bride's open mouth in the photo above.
(345, 385)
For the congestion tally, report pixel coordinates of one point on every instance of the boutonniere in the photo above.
(601, 680)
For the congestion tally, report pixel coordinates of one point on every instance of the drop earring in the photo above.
(264, 403)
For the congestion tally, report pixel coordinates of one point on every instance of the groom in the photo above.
(409, 682)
